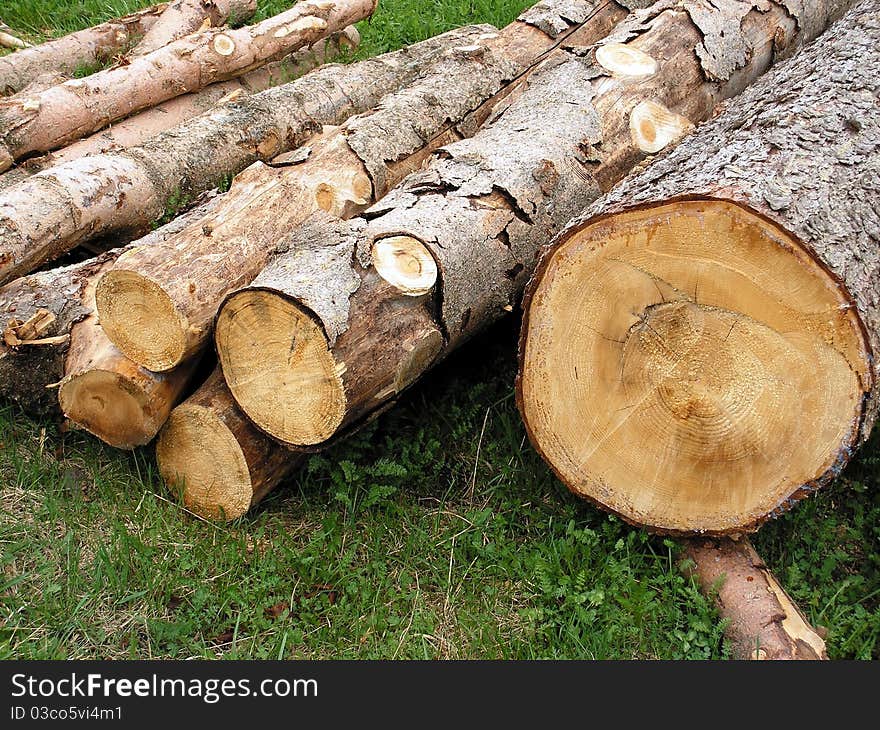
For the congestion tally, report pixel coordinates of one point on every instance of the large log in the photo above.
(64, 113)
(699, 350)
(183, 17)
(763, 623)
(76, 50)
(138, 128)
(39, 315)
(307, 362)
(118, 192)
(182, 282)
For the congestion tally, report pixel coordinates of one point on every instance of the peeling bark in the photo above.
(183, 17)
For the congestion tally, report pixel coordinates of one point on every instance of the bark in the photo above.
(763, 621)
(345, 171)
(139, 128)
(765, 220)
(39, 312)
(80, 49)
(482, 209)
(215, 459)
(59, 208)
(64, 113)
(183, 17)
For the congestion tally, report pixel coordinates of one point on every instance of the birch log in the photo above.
(140, 127)
(183, 17)
(158, 304)
(306, 363)
(75, 50)
(727, 303)
(118, 192)
(41, 313)
(64, 113)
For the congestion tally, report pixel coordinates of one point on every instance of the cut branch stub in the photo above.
(405, 263)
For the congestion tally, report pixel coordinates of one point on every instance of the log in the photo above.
(76, 50)
(64, 113)
(39, 314)
(723, 361)
(57, 209)
(8, 39)
(763, 623)
(142, 126)
(182, 282)
(183, 17)
(330, 356)
(217, 462)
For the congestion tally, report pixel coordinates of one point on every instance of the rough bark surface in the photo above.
(55, 210)
(140, 127)
(763, 621)
(485, 206)
(26, 370)
(82, 48)
(59, 115)
(183, 17)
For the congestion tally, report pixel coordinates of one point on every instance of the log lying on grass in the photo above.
(41, 313)
(181, 283)
(55, 210)
(218, 461)
(699, 350)
(64, 113)
(139, 128)
(762, 620)
(183, 17)
(306, 362)
(80, 49)
(8, 39)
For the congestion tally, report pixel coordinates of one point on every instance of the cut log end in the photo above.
(109, 406)
(691, 367)
(274, 353)
(406, 264)
(199, 457)
(141, 320)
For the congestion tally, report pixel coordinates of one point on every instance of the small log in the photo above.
(83, 48)
(185, 279)
(9, 40)
(138, 128)
(67, 112)
(330, 354)
(57, 209)
(211, 455)
(699, 351)
(763, 621)
(183, 17)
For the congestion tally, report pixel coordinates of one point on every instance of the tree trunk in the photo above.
(215, 459)
(763, 621)
(64, 113)
(40, 312)
(183, 281)
(80, 49)
(700, 346)
(139, 128)
(55, 210)
(183, 17)
(328, 357)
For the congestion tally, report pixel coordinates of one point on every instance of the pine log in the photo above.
(76, 50)
(78, 107)
(182, 282)
(217, 462)
(140, 127)
(183, 17)
(39, 313)
(328, 356)
(699, 350)
(762, 620)
(124, 191)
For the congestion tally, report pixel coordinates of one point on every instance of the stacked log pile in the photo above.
(697, 343)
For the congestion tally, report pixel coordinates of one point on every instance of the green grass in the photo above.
(435, 533)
